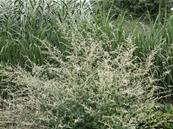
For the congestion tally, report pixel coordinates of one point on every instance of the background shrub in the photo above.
(137, 8)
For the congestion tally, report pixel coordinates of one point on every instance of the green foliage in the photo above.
(21, 23)
(138, 8)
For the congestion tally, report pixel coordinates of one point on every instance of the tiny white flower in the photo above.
(172, 9)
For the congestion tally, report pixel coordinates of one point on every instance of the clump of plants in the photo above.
(92, 89)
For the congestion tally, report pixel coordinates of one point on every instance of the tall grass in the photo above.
(25, 20)
(65, 66)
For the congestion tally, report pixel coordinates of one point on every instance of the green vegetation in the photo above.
(138, 8)
(68, 65)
